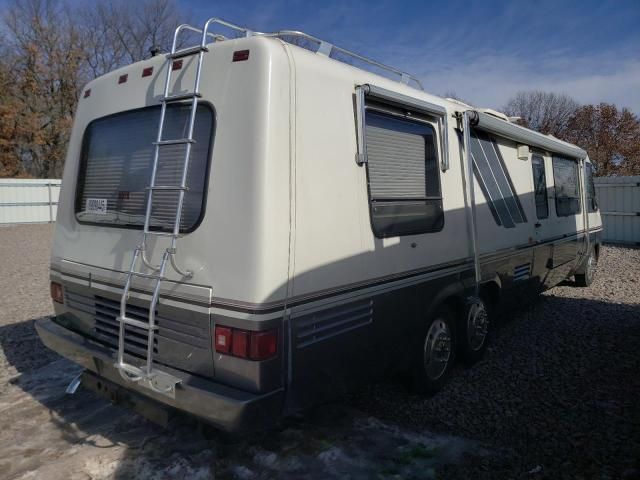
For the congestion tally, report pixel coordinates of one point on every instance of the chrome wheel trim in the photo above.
(477, 325)
(591, 266)
(437, 349)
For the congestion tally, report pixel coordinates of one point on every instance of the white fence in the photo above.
(619, 201)
(28, 200)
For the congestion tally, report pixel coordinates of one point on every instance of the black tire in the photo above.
(436, 357)
(474, 330)
(586, 279)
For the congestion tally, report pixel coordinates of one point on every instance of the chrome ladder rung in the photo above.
(186, 52)
(177, 141)
(136, 323)
(168, 187)
(148, 275)
(162, 234)
(181, 96)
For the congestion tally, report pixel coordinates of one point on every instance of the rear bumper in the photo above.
(224, 407)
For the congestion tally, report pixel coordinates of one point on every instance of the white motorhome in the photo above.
(247, 226)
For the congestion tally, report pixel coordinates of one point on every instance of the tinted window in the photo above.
(565, 178)
(540, 186)
(404, 183)
(116, 162)
(592, 203)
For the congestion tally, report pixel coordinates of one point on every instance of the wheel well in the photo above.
(490, 293)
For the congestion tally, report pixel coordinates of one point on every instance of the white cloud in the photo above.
(491, 81)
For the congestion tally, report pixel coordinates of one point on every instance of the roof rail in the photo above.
(322, 47)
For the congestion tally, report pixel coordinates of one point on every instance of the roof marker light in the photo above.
(176, 65)
(147, 72)
(123, 78)
(240, 55)
(87, 92)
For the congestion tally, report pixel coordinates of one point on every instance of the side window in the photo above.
(565, 178)
(592, 203)
(492, 175)
(404, 182)
(540, 187)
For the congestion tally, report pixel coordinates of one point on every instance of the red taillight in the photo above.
(246, 344)
(263, 345)
(147, 72)
(223, 339)
(240, 55)
(240, 344)
(57, 293)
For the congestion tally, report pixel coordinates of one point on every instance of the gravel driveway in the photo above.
(556, 397)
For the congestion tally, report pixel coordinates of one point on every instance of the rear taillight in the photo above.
(57, 293)
(245, 343)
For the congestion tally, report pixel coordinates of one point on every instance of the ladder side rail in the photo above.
(187, 158)
(123, 306)
(156, 152)
(152, 311)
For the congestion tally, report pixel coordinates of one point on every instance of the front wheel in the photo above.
(586, 279)
(438, 353)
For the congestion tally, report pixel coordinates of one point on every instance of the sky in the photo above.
(483, 51)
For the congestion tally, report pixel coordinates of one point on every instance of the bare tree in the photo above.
(120, 32)
(545, 112)
(610, 136)
(50, 52)
(46, 52)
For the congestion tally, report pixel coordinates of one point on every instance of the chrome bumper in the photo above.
(224, 407)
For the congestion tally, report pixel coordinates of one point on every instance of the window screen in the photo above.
(540, 187)
(592, 203)
(495, 182)
(116, 162)
(565, 177)
(404, 183)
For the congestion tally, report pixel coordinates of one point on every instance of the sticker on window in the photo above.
(97, 206)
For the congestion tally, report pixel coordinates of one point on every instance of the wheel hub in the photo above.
(477, 325)
(437, 349)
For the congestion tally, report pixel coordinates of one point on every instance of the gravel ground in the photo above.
(556, 397)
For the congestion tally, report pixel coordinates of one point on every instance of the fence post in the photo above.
(50, 202)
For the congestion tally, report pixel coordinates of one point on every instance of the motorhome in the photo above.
(255, 223)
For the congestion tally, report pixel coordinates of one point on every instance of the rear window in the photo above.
(116, 162)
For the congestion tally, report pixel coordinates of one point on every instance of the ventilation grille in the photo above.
(328, 323)
(107, 327)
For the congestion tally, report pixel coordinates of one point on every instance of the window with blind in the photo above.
(116, 163)
(567, 188)
(404, 182)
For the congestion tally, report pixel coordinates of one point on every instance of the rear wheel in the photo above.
(438, 353)
(474, 328)
(586, 279)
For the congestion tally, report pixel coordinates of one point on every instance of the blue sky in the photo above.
(484, 51)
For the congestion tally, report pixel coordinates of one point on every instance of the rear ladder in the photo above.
(147, 375)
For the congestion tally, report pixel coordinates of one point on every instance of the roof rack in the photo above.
(309, 42)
